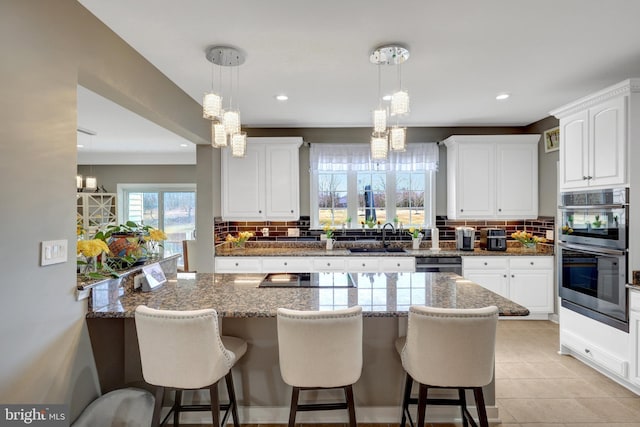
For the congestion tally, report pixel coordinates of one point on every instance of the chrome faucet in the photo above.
(385, 244)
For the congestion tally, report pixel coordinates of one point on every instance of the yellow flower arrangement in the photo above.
(91, 248)
(328, 230)
(414, 232)
(527, 239)
(242, 237)
(155, 235)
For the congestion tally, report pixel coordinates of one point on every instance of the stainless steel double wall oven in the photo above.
(593, 254)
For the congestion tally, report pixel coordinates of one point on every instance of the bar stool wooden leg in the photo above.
(348, 391)
(422, 404)
(408, 383)
(294, 406)
(232, 399)
(176, 407)
(482, 410)
(157, 407)
(463, 406)
(215, 404)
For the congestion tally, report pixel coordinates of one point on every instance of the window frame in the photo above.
(391, 193)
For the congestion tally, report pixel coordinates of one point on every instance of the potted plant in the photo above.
(416, 237)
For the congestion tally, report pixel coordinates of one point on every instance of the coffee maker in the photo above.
(465, 238)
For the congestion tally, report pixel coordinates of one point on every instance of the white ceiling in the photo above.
(545, 53)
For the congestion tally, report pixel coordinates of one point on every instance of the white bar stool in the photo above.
(320, 350)
(184, 350)
(448, 348)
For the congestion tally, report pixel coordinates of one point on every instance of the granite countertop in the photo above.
(315, 249)
(237, 295)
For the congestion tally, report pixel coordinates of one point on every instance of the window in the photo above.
(346, 183)
(171, 208)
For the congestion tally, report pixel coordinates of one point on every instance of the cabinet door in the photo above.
(494, 280)
(532, 289)
(475, 176)
(607, 136)
(282, 182)
(516, 180)
(243, 185)
(238, 265)
(286, 265)
(329, 263)
(574, 157)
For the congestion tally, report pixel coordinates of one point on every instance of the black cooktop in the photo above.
(307, 280)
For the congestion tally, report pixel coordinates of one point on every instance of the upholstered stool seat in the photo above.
(448, 348)
(183, 350)
(320, 350)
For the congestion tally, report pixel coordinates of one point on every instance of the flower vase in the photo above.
(415, 242)
(329, 244)
(529, 247)
(91, 265)
(240, 245)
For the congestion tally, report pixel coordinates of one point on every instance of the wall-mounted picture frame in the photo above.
(552, 140)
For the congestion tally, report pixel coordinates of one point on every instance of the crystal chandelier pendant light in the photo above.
(218, 135)
(227, 120)
(231, 122)
(379, 146)
(397, 139)
(211, 106)
(393, 139)
(379, 120)
(400, 103)
(239, 144)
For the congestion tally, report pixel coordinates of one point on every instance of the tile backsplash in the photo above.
(278, 230)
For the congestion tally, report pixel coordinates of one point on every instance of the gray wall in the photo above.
(48, 48)
(111, 175)
(547, 169)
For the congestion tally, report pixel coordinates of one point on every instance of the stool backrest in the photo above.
(451, 347)
(320, 348)
(181, 349)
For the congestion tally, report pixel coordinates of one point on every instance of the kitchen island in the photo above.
(249, 312)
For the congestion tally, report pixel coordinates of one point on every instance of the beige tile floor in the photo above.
(536, 387)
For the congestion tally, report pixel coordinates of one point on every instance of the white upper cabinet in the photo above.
(492, 176)
(263, 185)
(593, 138)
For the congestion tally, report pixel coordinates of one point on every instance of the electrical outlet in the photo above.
(549, 235)
(53, 252)
(137, 281)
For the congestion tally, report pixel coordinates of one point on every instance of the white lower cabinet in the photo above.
(302, 264)
(634, 335)
(238, 264)
(286, 265)
(523, 279)
(594, 342)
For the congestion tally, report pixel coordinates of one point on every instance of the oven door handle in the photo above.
(591, 249)
(587, 207)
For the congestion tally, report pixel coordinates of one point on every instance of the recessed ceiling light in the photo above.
(80, 146)
(183, 145)
(282, 97)
(502, 96)
(386, 98)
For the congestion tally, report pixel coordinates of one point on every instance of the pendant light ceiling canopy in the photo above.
(395, 55)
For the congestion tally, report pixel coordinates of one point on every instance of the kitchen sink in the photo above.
(375, 250)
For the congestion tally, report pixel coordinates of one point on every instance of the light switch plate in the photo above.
(53, 252)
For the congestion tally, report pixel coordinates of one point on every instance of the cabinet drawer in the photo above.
(531, 262)
(286, 265)
(634, 300)
(396, 264)
(485, 263)
(595, 354)
(329, 263)
(364, 264)
(238, 265)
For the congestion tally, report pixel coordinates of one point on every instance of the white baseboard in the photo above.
(371, 414)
